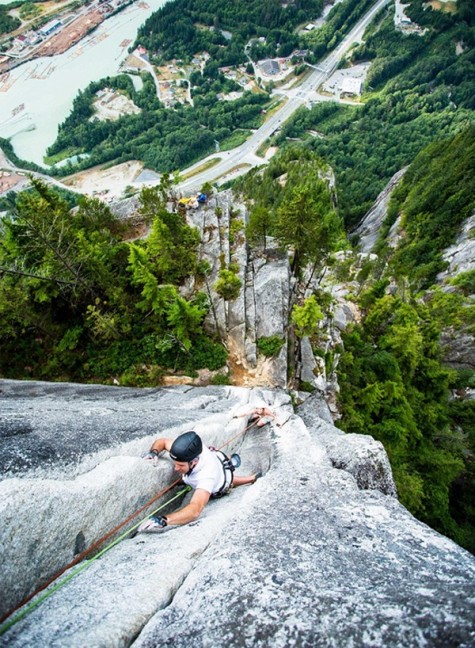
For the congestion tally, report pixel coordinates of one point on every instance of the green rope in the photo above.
(29, 608)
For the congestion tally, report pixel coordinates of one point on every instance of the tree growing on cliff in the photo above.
(394, 387)
(305, 318)
(259, 225)
(228, 285)
(307, 223)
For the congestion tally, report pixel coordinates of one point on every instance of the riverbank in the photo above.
(62, 32)
(38, 95)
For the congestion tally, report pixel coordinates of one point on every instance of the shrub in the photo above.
(228, 285)
(306, 386)
(270, 346)
(465, 281)
(219, 379)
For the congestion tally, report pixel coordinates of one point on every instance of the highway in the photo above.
(230, 164)
(245, 154)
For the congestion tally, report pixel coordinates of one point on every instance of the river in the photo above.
(38, 95)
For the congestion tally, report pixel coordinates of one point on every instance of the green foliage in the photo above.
(465, 281)
(449, 309)
(228, 285)
(271, 345)
(235, 228)
(182, 28)
(77, 303)
(167, 256)
(164, 139)
(101, 323)
(185, 321)
(419, 90)
(306, 386)
(258, 226)
(436, 196)
(394, 387)
(463, 378)
(7, 23)
(141, 375)
(220, 379)
(340, 19)
(29, 10)
(298, 211)
(305, 318)
(167, 139)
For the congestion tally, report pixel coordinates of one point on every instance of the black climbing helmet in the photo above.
(186, 447)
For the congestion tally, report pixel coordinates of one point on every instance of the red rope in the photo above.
(96, 544)
(85, 553)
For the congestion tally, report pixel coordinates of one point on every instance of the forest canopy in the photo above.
(77, 302)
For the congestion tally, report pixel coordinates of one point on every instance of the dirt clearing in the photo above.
(108, 184)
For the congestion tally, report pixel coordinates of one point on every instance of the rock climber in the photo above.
(208, 471)
(259, 416)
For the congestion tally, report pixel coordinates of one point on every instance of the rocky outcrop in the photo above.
(458, 348)
(368, 230)
(128, 208)
(312, 554)
(360, 455)
(458, 345)
(460, 256)
(261, 308)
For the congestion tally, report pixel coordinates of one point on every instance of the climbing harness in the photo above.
(29, 608)
(229, 465)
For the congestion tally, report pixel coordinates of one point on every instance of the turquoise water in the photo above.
(39, 94)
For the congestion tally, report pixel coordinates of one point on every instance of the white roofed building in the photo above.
(351, 86)
(50, 27)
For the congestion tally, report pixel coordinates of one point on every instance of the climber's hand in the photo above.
(153, 524)
(152, 456)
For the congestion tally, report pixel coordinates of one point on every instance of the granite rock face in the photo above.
(312, 554)
(360, 455)
(368, 229)
(459, 345)
(458, 348)
(72, 466)
(318, 562)
(260, 309)
(460, 256)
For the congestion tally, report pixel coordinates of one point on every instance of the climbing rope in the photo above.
(29, 608)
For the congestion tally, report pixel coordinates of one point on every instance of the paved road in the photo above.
(231, 163)
(246, 153)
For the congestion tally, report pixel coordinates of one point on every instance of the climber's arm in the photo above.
(191, 511)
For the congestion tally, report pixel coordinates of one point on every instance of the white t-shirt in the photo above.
(208, 473)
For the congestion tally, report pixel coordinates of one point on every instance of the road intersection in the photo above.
(221, 166)
(244, 156)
